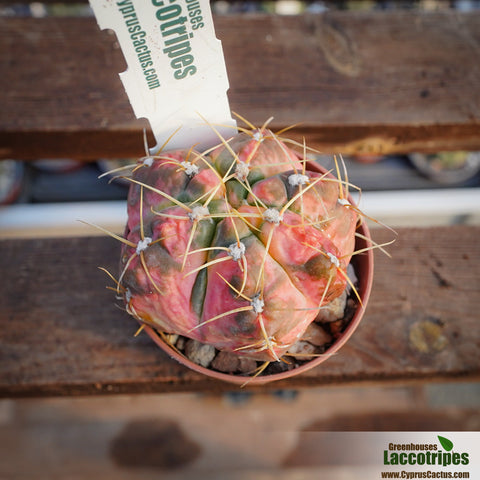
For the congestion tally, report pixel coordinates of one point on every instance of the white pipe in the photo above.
(414, 203)
(394, 208)
(61, 219)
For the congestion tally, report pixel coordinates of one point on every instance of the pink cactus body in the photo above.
(238, 248)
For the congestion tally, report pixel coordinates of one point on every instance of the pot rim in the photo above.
(364, 272)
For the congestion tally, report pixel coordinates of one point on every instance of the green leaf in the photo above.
(446, 443)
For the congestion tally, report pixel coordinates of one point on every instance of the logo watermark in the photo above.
(436, 459)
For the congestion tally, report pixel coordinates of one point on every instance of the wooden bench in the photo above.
(361, 82)
(358, 81)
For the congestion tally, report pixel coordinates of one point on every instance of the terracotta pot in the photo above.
(363, 265)
(368, 159)
(12, 176)
(431, 166)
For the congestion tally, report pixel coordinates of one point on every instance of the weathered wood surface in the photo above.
(359, 82)
(61, 334)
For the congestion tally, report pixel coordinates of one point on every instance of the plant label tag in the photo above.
(176, 75)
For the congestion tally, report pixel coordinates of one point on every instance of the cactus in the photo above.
(239, 247)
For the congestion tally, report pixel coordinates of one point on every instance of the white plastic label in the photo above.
(176, 75)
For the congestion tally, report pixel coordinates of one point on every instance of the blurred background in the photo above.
(236, 434)
(48, 195)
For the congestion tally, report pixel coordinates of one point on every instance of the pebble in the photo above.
(301, 350)
(171, 338)
(226, 362)
(333, 310)
(316, 335)
(180, 344)
(337, 327)
(229, 363)
(199, 353)
(247, 365)
(352, 276)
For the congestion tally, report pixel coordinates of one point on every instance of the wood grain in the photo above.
(359, 81)
(61, 333)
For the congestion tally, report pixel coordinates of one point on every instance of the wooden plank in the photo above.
(189, 437)
(61, 334)
(359, 81)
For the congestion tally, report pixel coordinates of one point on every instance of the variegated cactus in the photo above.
(238, 247)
